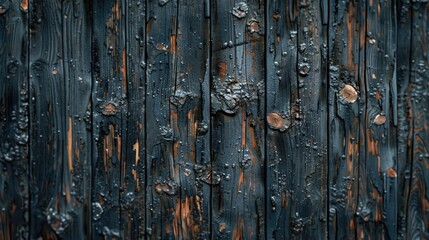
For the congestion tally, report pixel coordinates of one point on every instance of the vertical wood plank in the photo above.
(61, 143)
(378, 179)
(177, 120)
(14, 119)
(405, 130)
(190, 118)
(49, 166)
(162, 168)
(76, 36)
(297, 59)
(282, 114)
(344, 116)
(418, 204)
(309, 204)
(133, 180)
(238, 119)
(109, 109)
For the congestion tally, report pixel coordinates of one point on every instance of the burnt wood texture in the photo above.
(214, 119)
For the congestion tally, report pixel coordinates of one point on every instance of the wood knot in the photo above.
(349, 93)
(109, 109)
(277, 122)
(391, 172)
(379, 119)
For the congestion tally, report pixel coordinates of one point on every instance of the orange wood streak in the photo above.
(192, 126)
(350, 19)
(123, 68)
(136, 149)
(238, 231)
(372, 144)
(70, 144)
(284, 199)
(240, 180)
(119, 147)
(108, 145)
(184, 225)
(173, 44)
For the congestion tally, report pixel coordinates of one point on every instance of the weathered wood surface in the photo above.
(14, 121)
(214, 119)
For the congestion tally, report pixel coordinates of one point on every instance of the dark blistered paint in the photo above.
(160, 119)
(14, 121)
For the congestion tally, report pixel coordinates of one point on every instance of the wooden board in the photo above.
(297, 119)
(418, 198)
(177, 114)
(14, 121)
(242, 119)
(133, 166)
(345, 104)
(378, 176)
(109, 111)
(238, 119)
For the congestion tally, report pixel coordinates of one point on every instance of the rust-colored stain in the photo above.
(70, 144)
(238, 232)
(372, 143)
(222, 69)
(284, 199)
(240, 180)
(123, 68)
(173, 47)
(109, 146)
(184, 225)
(136, 149)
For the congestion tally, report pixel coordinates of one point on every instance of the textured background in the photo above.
(221, 119)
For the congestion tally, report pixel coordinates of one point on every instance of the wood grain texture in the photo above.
(238, 119)
(377, 195)
(76, 32)
(405, 128)
(310, 201)
(226, 119)
(14, 121)
(345, 105)
(60, 78)
(133, 166)
(418, 198)
(50, 169)
(162, 168)
(109, 112)
(282, 96)
(178, 120)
